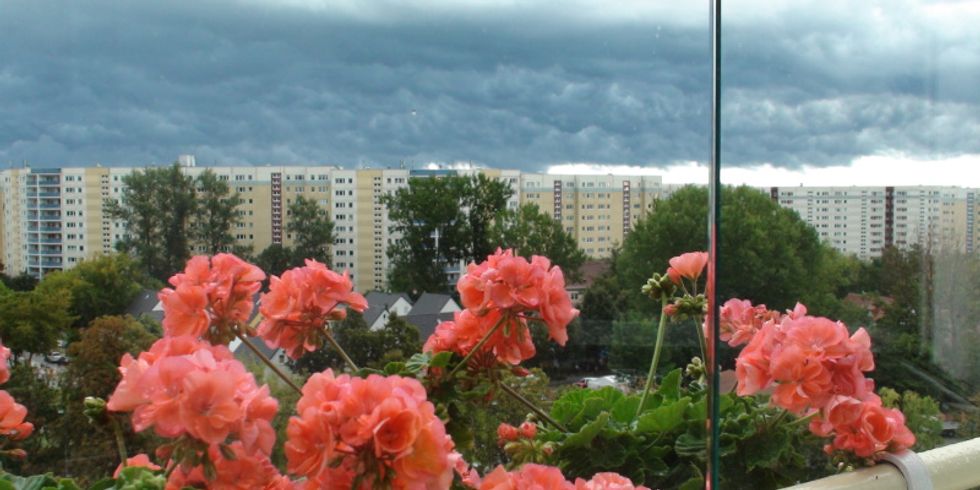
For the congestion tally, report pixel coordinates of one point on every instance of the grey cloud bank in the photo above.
(130, 83)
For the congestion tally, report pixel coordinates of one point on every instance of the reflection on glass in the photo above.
(857, 201)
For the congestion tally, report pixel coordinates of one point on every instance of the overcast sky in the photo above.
(813, 89)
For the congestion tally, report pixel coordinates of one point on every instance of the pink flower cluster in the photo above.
(245, 472)
(817, 366)
(299, 303)
(186, 386)
(214, 293)
(739, 320)
(540, 477)
(12, 425)
(4, 364)
(506, 288)
(380, 430)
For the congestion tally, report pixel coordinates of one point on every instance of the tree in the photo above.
(93, 371)
(311, 229)
(156, 204)
(32, 322)
(275, 259)
(441, 221)
(20, 282)
(484, 199)
(216, 214)
(529, 232)
(106, 286)
(768, 254)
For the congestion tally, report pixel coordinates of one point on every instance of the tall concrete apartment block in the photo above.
(54, 218)
(863, 220)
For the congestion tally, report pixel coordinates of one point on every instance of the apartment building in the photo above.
(863, 220)
(598, 210)
(54, 217)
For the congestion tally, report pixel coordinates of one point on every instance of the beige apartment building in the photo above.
(54, 218)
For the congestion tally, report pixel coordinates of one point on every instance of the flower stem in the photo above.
(120, 442)
(805, 418)
(656, 354)
(699, 328)
(529, 404)
(267, 362)
(338, 348)
(479, 345)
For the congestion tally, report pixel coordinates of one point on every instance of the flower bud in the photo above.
(529, 430)
(506, 433)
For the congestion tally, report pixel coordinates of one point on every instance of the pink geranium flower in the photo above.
(299, 304)
(511, 343)
(529, 476)
(688, 265)
(381, 429)
(246, 471)
(140, 461)
(210, 297)
(513, 290)
(4, 364)
(818, 369)
(739, 321)
(607, 481)
(186, 386)
(12, 415)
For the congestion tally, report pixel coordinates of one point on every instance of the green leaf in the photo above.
(394, 368)
(418, 362)
(695, 483)
(103, 484)
(569, 405)
(670, 387)
(698, 410)
(441, 360)
(663, 418)
(35, 482)
(584, 437)
(689, 445)
(624, 410)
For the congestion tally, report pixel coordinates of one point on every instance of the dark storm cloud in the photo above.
(127, 83)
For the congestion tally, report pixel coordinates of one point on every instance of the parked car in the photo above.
(56, 357)
(602, 381)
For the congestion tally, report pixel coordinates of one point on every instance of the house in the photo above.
(588, 273)
(382, 305)
(430, 310)
(146, 304)
(248, 357)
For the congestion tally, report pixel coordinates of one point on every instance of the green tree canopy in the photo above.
(768, 254)
(275, 259)
(216, 214)
(311, 229)
(529, 232)
(93, 370)
(105, 285)
(32, 322)
(441, 221)
(156, 204)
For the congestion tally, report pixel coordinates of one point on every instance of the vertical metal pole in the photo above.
(714, 217)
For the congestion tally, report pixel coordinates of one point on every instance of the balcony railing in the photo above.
(952, 467)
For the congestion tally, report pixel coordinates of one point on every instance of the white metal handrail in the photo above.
(952, 467)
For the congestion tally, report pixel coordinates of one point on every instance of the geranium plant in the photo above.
(402, 427)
